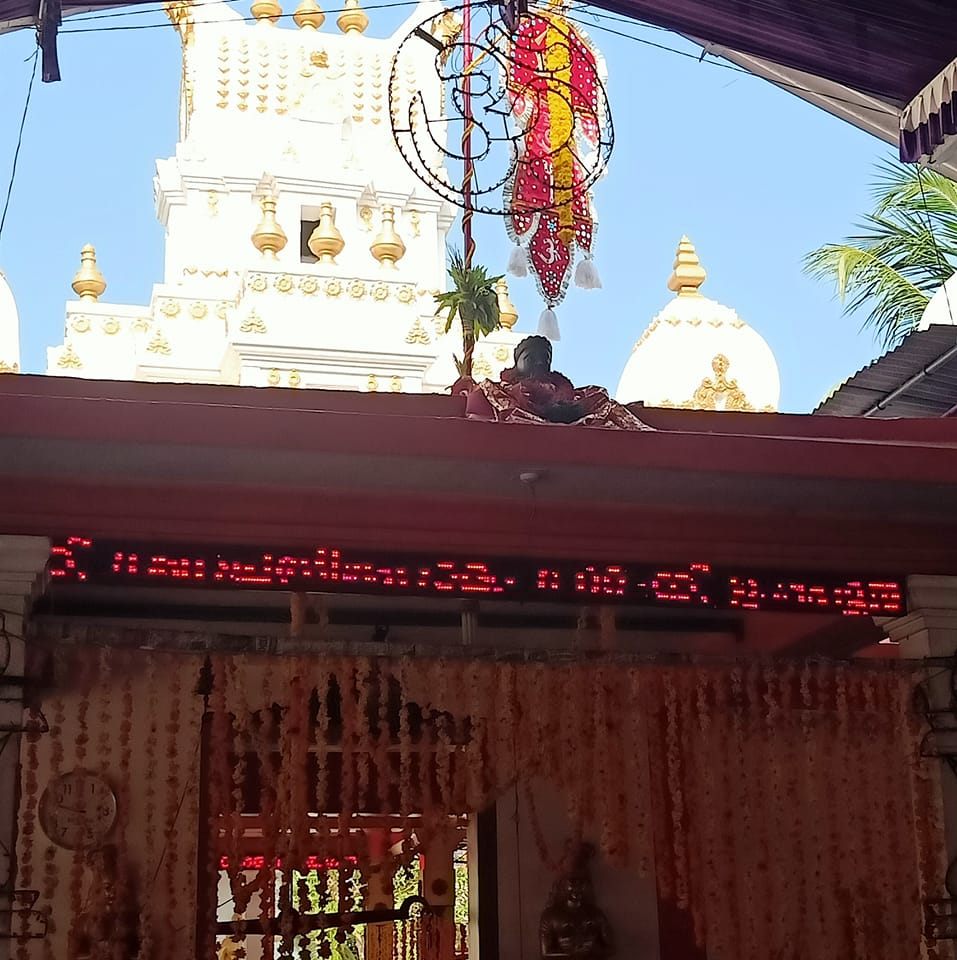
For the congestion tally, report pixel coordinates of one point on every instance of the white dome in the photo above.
(9, 329)
(938, 310)
(699, 354)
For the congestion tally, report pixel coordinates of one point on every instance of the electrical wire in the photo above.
(734, 68)
(16, 152)
(587, 9)
(139, 10)
(283, 16)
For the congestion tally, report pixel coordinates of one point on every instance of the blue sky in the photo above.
(753, 175)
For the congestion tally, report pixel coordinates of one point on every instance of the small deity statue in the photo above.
(531, 392)
(572, 926)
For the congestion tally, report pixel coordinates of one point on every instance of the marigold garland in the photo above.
(173, 790)
(85, 671)
(764, 786)
(28, 818)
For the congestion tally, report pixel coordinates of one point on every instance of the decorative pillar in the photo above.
(438, 888)
(380, 937)
(929, 630)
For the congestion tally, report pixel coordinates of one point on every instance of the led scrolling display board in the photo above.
(328, 569)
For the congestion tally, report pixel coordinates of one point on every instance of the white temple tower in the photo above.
(300, 250)
(698, 354)
(9, 329)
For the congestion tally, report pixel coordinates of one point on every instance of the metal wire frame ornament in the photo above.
(479, 88)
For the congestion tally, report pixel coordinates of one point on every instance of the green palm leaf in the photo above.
(473, 298)
(906, 249)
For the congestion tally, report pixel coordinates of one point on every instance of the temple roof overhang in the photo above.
(234, 465)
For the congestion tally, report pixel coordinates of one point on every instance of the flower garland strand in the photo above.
(173, 790)
(51, 872)
(712, 866)
(84, 672)
(768, 731)
(28, 819)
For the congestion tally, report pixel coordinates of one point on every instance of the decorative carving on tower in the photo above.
(720, 393)
(88, 282)
(326, 241)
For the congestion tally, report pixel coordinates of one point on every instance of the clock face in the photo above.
(78, 810)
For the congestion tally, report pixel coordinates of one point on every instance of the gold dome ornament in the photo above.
(266, 11)
(326, 241)
(268, 237)
(387, 247)
(308, 15)
(353, 18)
(88, 282)
(688, 274)
(507, 314)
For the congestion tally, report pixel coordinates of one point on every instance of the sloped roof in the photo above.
(889, 49)
(916, 379)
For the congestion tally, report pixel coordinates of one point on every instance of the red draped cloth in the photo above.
(550, 398)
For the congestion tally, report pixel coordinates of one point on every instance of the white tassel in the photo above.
(548, 325)
(586, 275)
(518, 262)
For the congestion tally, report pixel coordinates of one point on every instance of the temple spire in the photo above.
(688, 274)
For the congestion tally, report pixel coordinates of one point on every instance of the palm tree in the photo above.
(907, 249)
(474, 299)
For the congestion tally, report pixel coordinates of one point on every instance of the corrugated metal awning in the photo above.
(916, 379)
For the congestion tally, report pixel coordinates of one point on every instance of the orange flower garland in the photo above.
(28, 818)
(173, 791)
(764, 785)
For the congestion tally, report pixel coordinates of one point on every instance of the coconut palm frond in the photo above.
(904, 251)
(473, 297)
(897, 186)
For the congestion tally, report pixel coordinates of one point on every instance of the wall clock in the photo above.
(78, 810)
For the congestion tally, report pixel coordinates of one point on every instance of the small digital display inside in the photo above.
(331, 569)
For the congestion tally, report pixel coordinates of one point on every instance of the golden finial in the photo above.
(266, 11)
(309, 15)
(180, 15)
(88, 282)
(507, 314)
(326, 241)
(268, 237)
(353, 18)
(688, 273)
(446, 30)
(387, 247)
